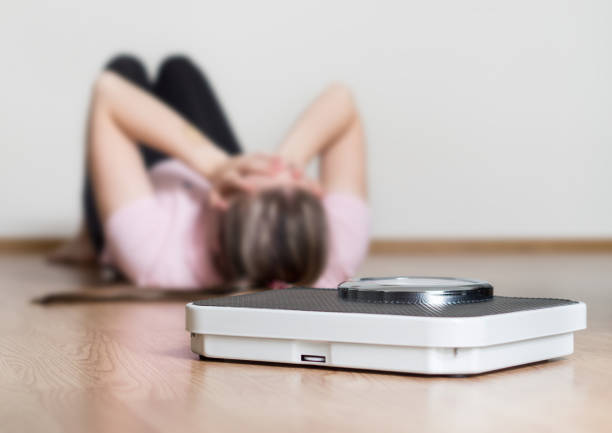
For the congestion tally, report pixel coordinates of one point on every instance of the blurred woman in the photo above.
(172, 200)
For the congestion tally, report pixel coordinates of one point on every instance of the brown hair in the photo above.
(277, 234)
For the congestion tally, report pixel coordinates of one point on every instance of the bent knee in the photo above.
(104, 84)
(124, 61)
(341, 89)
(177, 64)
(129, 67)
(342, 93)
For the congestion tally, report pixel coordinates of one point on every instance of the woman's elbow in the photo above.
(104, 85)
(344, 95)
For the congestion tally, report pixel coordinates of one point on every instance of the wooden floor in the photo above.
(126, 366)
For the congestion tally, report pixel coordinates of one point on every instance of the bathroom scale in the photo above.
(425, 325)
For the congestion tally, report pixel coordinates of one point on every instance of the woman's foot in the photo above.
(76, 251)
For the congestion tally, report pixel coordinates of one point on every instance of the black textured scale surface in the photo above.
(327, 300)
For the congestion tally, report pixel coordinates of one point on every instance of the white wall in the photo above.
(485, 118)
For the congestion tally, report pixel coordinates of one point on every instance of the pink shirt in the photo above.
(159, 241)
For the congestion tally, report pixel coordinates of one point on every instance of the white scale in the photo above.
(426, 325)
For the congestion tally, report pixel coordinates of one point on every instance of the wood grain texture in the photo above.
(126, 366)
(29, 244)
(403, 246)
(527, 245)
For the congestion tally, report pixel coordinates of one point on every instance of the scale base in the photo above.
(405, 359)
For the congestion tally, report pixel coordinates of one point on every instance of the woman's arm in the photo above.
(144, 118)
(122, 115)
(330, 127)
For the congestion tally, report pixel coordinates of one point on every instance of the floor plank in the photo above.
(126, 366)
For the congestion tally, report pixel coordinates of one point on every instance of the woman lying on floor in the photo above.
(171, 200)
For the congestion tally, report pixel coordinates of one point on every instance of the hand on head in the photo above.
(254, 172)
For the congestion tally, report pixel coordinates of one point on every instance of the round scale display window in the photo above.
(413, 290)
